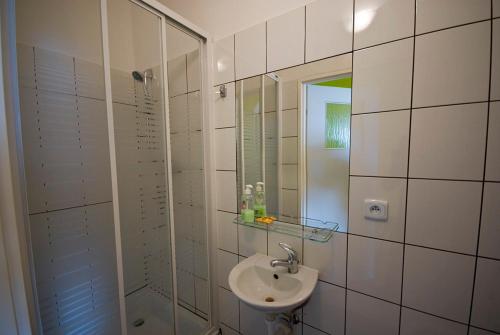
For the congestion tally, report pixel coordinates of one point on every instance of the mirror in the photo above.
(294, 135)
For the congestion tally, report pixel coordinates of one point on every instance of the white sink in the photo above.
(268, 289)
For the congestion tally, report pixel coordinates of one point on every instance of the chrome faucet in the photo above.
(292, 263)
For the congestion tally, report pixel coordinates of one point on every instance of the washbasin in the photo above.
(268, 289)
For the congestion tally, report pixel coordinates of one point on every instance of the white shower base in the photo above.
(156, 311)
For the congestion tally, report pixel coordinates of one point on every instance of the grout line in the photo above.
(224, 83)
(349, 167)
(266, 50)
(382, 43)
(229, 127)
(419, 178)
(383, 111)
(455, 26)
(317, 329)
(452, 104)
(484, 176)
(230, 252)
(234, 59)
(136, 290)
(73, 207)
(372, 176)
(305, 33)
(381, 177)
(408, 165)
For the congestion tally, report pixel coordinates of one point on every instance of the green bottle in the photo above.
(247, 211)
(260, 201)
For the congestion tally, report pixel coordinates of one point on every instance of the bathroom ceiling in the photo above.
(225, 17)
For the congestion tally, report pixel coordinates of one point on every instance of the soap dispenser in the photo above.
(247, 211)
(260, 201)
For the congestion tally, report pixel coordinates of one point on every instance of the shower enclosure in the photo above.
(113, 129)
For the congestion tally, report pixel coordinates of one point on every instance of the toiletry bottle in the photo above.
(247, 211)
(260, 200)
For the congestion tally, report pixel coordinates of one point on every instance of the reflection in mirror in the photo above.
(258, 136)
(300, 144)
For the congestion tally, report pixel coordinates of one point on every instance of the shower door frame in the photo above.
(167, 16)
(13, 186)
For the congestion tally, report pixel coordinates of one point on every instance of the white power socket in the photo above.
(376, 209)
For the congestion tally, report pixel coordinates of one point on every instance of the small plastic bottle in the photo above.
(247, 211)
(260, 201)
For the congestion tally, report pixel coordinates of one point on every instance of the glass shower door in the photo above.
(137, 80)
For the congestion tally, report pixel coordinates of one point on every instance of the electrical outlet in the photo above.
(376, 209)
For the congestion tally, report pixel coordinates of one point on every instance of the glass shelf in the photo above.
(308, 229)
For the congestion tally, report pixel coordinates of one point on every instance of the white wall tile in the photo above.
(490, 224)
(195, 114)
(226, 261)
(289, 120)
(486, 305)
(476, 331)
(252, 321)
(448, 61)
(382, 77)
(368, 316)
(289, 176)
(382, 21)
(178, 113)
(493, 153)
(226, 191)
(285, 40)
(227, 231)
(193, 71)
(438, 282)
(289, 94)
(201, 293)
(26, 65)
(177, 77)
(328, 258)
(89, 78)
(379, 144)
(328, 28)
(289, 203)
(417, 323)
(250, 51)
(228, 331)
(389, 189)
(185, 287)
(448, 142)
(439, 14)
(326, 308)
(54, 71)
(444, 214)
(225, 108)
(122, 87)
(289, 151)
(273, 248)
(228, 308)
(496, 8)
(251, 241)
(308, 330)
(225, 149)
(374, 267)
(224, 60)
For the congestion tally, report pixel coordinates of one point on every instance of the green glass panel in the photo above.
(340, 82)
(337, 125)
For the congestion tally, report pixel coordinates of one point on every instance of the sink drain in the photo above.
(269, 299)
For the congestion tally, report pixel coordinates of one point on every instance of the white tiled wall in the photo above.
(187, 165)
(425, 137)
